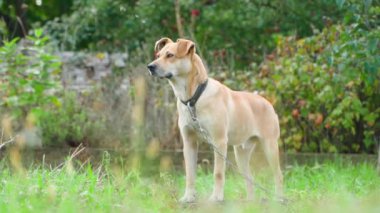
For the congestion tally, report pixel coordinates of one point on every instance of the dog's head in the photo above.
(172, 58)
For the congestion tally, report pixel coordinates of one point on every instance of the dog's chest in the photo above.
(191, 118)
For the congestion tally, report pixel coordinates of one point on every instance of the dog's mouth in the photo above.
(167, 75)
(154, 71)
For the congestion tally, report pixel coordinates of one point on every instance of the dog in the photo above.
(236, 118)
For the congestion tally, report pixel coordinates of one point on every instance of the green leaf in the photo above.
(372, 45)
(38, 32)
(371, 117)
(11, 43)
(56, 101)
(367, 4)
(340, 3)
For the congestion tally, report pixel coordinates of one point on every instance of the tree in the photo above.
(19, 15)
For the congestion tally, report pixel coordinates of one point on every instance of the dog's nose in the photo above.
(152, 68)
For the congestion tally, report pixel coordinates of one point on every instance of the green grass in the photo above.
(330, 187)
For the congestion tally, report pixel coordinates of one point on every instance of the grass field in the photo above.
(330, 187)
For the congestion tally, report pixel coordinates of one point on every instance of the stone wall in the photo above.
(81, 70)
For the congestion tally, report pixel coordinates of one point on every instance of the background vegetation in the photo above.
(316, 61)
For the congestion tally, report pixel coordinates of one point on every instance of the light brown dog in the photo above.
(229, 117)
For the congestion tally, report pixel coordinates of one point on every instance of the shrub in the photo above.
(68, 123)
(326, 89)
(28, 76)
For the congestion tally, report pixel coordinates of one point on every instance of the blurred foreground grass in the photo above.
(330, 187)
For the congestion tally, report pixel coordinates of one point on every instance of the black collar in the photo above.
(193, 100)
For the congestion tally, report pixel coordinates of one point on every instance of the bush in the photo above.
(68, 123)
(29, 76)
(326, 89)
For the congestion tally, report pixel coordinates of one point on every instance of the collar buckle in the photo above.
(198, 92)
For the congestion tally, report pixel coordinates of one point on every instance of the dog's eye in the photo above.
(169, 55)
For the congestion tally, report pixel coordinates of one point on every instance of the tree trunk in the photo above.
(21, 17)
(177, 8)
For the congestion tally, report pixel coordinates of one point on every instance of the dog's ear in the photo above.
(185, 47)
(161, 44)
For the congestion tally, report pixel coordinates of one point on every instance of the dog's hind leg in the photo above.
(243, 156)
(271, 152)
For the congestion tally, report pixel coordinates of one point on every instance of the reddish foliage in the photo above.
(195, 12)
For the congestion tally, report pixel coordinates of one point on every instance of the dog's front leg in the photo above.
(190, 149)
(220, 153)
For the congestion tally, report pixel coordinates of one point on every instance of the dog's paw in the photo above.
(188, 198)
(216, 198)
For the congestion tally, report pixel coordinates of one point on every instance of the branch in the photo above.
(6, 142)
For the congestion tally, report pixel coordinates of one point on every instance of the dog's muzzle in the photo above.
(152, 69)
